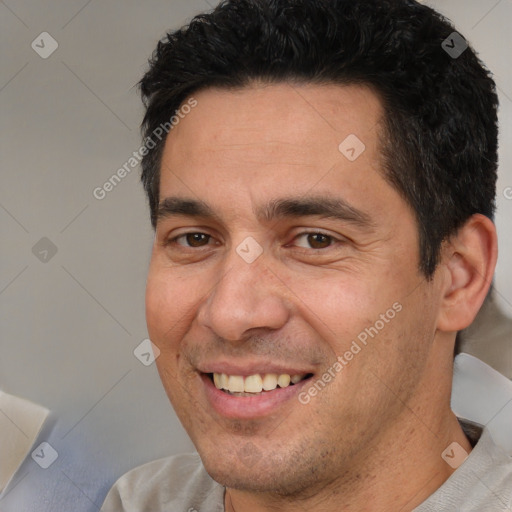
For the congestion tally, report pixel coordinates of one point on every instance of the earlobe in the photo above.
(469, 260)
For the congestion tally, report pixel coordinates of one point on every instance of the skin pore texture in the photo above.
(372, 438)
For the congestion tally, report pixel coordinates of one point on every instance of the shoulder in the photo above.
(494, 466)
(482, 482)
(179, 482)
(486, 475)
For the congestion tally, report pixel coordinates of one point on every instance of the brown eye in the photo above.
(190, 240)
(318, 240)
(311, 240)
(196, 239)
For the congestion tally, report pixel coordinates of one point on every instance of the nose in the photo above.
(247, 296)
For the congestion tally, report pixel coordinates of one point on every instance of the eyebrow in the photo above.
(319, 206)
(177, 206)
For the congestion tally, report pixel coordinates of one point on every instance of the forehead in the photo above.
(290, 119)
(273, 140)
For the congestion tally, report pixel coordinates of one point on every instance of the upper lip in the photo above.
(252, 368)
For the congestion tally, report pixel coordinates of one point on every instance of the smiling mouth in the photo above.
(257, 384)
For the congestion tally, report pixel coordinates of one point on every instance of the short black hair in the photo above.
(439, 133)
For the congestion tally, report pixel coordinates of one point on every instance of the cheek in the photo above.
(158, 307)
(338, 306)
(169, 301)
(166, 327)
(371, 318)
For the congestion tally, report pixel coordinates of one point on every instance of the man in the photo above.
(321, 179)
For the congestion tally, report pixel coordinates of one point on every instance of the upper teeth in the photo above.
(254, 383)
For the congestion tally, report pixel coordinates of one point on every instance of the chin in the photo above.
(247, 480)
(244, 468)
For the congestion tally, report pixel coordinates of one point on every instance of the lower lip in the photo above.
(249, 407)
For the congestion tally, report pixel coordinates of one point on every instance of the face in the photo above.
(279, 252)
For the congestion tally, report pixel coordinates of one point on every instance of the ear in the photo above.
(468, 262)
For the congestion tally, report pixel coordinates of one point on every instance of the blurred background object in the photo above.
(489, 337)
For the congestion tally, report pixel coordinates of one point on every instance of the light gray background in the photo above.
(69, 325)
